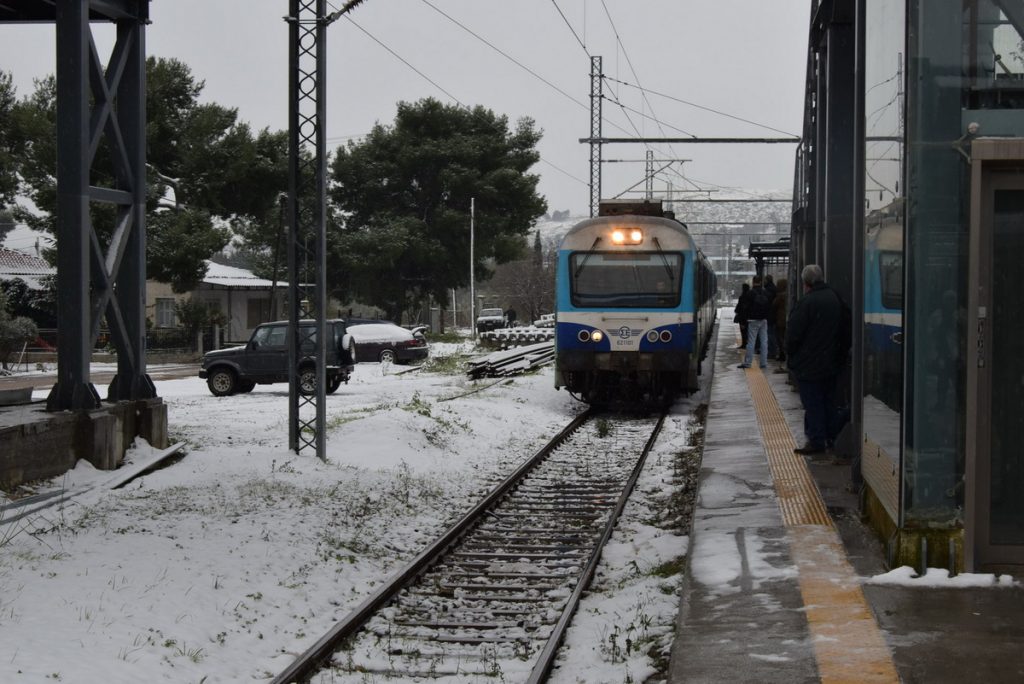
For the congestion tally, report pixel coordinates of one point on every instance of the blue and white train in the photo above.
(634, 307)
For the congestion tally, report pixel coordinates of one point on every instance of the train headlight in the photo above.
(597, 336)
(652, 336)
(627, 236)
(583, 335)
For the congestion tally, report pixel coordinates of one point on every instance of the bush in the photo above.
(15, 333)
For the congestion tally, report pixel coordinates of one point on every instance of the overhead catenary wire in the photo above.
(500, 51)
(567, 95)
(699, 106)
(445, 91)
(575, 35)
(632, 69)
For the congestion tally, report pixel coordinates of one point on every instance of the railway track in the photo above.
(496, 593)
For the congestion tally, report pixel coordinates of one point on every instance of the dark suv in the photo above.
(264, 360)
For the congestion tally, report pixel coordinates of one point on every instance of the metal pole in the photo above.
(649, 176)
(595, 134)
(472, 270)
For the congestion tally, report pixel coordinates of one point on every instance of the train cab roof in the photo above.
(620, 207)
(656, 234)
(885, 227)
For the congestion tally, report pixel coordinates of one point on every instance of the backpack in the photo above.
(760, 304)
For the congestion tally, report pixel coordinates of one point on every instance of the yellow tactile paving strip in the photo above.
(848, 645)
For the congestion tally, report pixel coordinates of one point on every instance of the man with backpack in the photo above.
(757, 323)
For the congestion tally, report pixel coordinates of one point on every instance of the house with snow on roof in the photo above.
(31, 269)
(240, 295)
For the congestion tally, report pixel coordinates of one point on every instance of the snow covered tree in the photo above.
(205, 168)
(402, 197)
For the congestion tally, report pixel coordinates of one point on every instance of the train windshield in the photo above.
(626, 279)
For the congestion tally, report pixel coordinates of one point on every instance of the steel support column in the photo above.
(595, 133)
(649, 176)
(87, 271)
(307, 243)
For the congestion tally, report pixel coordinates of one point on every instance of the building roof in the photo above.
(31, 269)
(219, 275)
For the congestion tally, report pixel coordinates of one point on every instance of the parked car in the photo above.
(545, 321)
(490, 319)
(387, 342)
(264, 359)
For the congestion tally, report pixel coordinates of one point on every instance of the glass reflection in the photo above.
(883, 326)
(884, 168)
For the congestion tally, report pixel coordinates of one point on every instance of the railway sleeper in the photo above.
(517, 514)
(506, 529)
(505, 575)
(486, 611)
(528, 595)
(575, 555)
(505, 587)
(543, 539)
(473, 548)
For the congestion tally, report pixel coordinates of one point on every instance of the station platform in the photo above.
(783, 581)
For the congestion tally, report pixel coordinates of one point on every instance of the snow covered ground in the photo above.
(224, 566)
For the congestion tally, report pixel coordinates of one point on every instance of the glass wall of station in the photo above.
(932, 67)
(884, 203)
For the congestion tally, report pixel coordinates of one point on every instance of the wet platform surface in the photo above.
(776, 593)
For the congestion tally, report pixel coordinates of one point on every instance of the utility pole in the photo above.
(649, 176)
(307, 242)
(595, 134)
(472, 273)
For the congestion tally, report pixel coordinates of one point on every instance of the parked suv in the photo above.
(490, 319)
(264, 359)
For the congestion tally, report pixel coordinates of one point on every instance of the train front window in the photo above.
(626, 279)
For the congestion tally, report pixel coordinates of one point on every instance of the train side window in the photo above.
(890, 265)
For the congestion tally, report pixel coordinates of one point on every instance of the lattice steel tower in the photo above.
(595, 134)
(307, 243)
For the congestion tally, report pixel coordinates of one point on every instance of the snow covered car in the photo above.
(387, 343)
(263, 360)
(490, 319)
(545, 321)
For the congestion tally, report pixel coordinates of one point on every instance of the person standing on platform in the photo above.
(742, 309)
(757, 324)
(814, 349)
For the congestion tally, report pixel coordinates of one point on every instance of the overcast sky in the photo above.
(742, 57)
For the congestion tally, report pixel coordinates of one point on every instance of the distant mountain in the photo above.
(771, 218)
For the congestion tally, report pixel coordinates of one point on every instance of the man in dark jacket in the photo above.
(757, 324)
(814, 348)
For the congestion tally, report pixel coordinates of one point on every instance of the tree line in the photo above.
(398, 206)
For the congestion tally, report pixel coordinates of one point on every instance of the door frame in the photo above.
(991, 158)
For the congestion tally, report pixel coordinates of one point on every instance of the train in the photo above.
(635, 306)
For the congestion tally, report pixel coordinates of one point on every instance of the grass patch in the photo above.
(446, 336)
(669, 568)
(451, 364)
